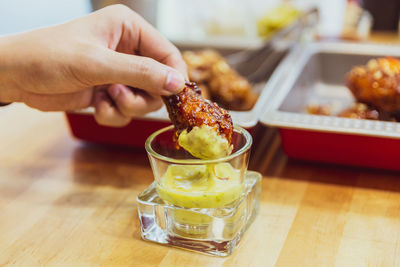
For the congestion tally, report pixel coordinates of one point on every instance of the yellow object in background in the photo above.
(276, 19)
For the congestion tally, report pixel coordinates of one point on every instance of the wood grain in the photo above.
(67, 203)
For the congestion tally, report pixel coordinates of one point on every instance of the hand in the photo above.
(111, 59)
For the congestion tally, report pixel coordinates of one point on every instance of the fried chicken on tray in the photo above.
(218, 81)
(202, 127)
(376, 89)
(377, 84)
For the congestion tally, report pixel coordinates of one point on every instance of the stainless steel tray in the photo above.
(315, 74)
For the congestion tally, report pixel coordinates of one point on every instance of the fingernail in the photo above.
(175, 82)
(114, 91)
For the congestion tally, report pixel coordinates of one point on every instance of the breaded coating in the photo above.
(377, 84)
(217, 79)
(188, 109)
(360, 111)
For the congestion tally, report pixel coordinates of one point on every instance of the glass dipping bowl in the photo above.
(184, 181)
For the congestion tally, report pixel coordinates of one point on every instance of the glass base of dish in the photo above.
(215, 231)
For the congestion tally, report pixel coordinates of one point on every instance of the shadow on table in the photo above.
(111, 165)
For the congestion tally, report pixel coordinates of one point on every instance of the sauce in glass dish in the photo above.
(201, 186)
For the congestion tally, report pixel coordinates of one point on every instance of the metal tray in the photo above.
(315, 74)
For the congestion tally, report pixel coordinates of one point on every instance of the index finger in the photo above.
(129, 33)
(153, 44)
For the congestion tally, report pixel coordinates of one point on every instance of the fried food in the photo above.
(377, 84)
(376, 87)
(202, 127)
(219, 81)
(360, 111)
(357, 111)
(324, 110)
(200, 64)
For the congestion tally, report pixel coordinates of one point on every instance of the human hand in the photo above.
(111, 59)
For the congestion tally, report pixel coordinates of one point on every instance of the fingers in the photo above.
(153, 44)
(135, 33)
(116, 105)
(176, 61)
(129, 33)
(133, 103)
(59, 102)
(139, 72)
(106, 113)
(150, 43)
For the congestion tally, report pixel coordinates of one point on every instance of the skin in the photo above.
(111, 59)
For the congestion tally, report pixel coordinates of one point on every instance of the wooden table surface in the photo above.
(67, 203)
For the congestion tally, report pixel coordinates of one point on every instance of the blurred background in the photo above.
(218, 22)
(253, 36)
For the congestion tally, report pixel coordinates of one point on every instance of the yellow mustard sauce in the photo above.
(200, 186)
(204, 143)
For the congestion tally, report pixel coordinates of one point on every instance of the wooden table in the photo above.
(67, 203)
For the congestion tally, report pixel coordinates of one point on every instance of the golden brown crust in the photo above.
(225, 86)
(360, 111)
(188, 109)
(377, 84)
(323, 110)
(357, 111)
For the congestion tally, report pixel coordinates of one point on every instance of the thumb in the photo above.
(140, 72)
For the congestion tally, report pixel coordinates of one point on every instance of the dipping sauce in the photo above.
(205, 143)
(200, 186)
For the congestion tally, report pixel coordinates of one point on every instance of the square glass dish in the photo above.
(203, 205)
(215, 231)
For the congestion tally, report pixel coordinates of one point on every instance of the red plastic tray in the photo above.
(368, 151)
(83, 126)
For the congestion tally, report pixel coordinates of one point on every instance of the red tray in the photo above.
(368, 151)
(83, 126)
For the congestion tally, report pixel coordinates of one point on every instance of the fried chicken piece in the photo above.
(205, 92)
(323, 110)
(202, 127)
(229, 89)
(377, 84)
(357, 111)
(210, 70)
(200, 64)
(360, 111)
